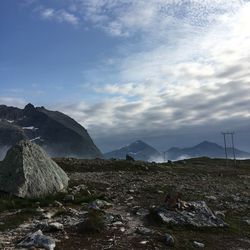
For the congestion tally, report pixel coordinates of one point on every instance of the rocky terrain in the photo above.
(118, 204)
(138, 150)
(56, 132)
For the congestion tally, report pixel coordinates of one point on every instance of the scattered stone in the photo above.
(211, 198)
(40, 210)
(198, 244)
(144, 231)
(100, 204)
(69, 198)
(169, 240)
(130, 198)
(142, 212)
(144, 242)
(54, 226)
(197, 214)
(220, 214)
(117, 223)
(248, 222)
(38, 240)
(160, 192)
(48, 215)
(58, 204)
(78, 189)
(28, 172)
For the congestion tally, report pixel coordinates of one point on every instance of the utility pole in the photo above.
(225, 134)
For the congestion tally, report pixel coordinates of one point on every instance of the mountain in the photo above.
(139, 150)
(56, 132)
(205, 148)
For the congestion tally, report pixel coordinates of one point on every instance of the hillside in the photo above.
(56, 132)
(139, 150)
(208, 149)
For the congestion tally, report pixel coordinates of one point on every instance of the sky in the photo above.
(170, 72)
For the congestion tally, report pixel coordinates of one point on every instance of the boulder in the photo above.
(196, 214)
(28, 172)
(38, 240)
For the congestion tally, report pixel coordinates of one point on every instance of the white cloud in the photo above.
(12, 101)
(59, 16)
(203, 80)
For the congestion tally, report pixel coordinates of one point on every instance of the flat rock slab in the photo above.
(198, 214)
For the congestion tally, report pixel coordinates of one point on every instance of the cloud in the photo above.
(119, 18)
(12, 101)
(201, 82)
(181, 64)
(60, 16)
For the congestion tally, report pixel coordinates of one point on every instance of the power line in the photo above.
(225, 135)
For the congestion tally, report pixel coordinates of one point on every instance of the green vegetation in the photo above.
(14, 220)
(94, 223)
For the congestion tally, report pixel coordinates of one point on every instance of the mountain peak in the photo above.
(29, 107)
(138, 149)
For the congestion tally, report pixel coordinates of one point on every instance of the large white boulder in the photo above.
(28, 172)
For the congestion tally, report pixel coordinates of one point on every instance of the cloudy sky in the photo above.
(171, 72)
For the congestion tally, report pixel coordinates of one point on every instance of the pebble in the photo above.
(199, 244)
(169, 240)
(69, 198)
(248, 222)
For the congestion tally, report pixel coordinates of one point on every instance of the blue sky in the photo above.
(133, 69)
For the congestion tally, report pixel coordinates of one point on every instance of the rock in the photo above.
(220, 214)
(211, 198)
(142, 212)
(198, 244)
(144, 231)
(144, 242)
(48, 215)
(28, 172)
(197, 214)
(58, 204)
(38, 240)
(131, 191)
(117, 223)
(54, 226)
(160, 192)
(40, 210)
(169, 240)
(78, 189)
(69, 198)
(100, 204)
(248, 222)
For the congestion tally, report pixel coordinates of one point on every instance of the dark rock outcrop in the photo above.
(28, 172)
(56, 132)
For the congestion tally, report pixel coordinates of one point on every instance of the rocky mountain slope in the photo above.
(139, 150)
(56, 132)
(208, 149)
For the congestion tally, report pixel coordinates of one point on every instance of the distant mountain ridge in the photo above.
(139, 150)
(56, 132)
(205, 148)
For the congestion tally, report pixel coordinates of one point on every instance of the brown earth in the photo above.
(130, 186)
